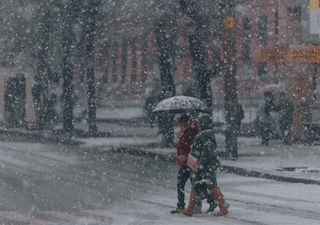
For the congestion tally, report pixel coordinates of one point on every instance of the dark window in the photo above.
(262, 69)
(134, 63)
(114, 62)
(246, 41)
(276, 22)
(294, 22)
(263, 29)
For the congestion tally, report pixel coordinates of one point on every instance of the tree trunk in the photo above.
(40, 87)
(67, 70)
(165, 46)
(230, 82)
(90, 34)
(197, 32)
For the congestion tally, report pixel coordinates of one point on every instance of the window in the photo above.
(263, 29)
(246, 50)
(276, 22)
(262, 70)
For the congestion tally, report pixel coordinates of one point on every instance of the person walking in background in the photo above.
(203, 161)
(239, 115)
(264, 118)
(232, 142)
(285, 109)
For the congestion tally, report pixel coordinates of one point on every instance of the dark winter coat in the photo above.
(285, 109)
(267, 108)
(239, 115)
(204, 149)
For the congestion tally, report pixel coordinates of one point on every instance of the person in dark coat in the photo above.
(264, 118)
(239, 115)
(203, 161)
(152, 99)
(185, 137)
(233, 132)
(285, 109)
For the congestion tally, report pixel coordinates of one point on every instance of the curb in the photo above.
(269, 176)
(224, 168)
(138, 151)
(169, 157)
(41, 136)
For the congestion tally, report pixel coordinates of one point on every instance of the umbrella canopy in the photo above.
(181, 104)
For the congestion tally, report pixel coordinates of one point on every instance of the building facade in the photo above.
(277, 43)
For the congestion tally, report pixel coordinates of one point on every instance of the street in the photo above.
(52, 184)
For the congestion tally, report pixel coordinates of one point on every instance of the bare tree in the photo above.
(70, 15)
(165, 46)
(197, 32)
(89, 29)
(230, 82)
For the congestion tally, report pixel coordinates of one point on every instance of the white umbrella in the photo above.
(181, 104)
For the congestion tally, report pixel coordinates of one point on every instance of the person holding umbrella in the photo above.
(188, 130)
(203, 161)
(183, 104)
(185, 138)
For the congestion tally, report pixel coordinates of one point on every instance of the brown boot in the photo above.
(192, 202)
(223, 205)
(198, 208)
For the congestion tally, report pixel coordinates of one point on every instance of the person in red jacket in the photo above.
(188, 131)
(185, 137)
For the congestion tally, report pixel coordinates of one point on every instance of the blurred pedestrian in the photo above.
(285, 109)
(264, 118)
(239, 115)
(233, 131)
(152, 99)
(203, 161)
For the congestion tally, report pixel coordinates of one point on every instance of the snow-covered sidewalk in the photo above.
(296, 161)
(292, 163)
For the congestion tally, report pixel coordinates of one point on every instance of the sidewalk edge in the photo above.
(252, 173)
(224, 168)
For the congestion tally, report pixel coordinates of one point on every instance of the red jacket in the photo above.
(184, 145)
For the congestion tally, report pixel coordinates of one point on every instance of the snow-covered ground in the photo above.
(119, 189)
(253, 201)
(277, 158)
(42, 184)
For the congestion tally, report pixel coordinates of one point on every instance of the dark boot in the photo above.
(223, 205)
(192, 203)
(212, 207)
(211, 202)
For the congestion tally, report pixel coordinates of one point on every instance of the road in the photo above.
(51, 184)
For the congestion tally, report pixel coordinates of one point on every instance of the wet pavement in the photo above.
(72, 184)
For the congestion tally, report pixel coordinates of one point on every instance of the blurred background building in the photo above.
(277, 46)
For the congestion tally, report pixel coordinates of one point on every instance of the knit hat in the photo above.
(205, 121)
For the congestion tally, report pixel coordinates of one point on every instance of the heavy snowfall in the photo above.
(144, 112)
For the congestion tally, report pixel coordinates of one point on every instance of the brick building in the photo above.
(282, 45)
(277, 47)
